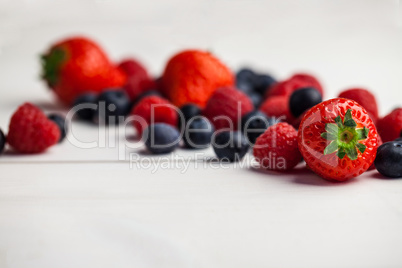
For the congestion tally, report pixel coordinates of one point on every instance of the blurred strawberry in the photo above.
(192, 76)
(77, 65)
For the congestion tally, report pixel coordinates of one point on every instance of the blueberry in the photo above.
(161, 138)
(188, 111)
(246, 75)
(245, 87)
(61, 123)
(256, 99)
(303, 99)
(254, 124)
(2, 141)
(263, 82)
(117, 104)
(398, 139)
(89, 100)
(230, 145)
(198, 133)
(389, 159)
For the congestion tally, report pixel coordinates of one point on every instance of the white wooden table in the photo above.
(75, 207)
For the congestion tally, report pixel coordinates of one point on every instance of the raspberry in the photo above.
(30, 131)
(277, 148)
(192, 76)
(287, 87)
(365, 98)
(138, 80)
(161, 109)
(230, 104)
(297, 121)
(309, 79)
(278, 107)
(390, 126)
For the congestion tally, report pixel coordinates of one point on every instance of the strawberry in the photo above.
(276, 148)
(192, 76)
(338, 139)
(138, 80)
(390, 126)
(30, 131)
(363, 97)
(78, 65)
(379, 144)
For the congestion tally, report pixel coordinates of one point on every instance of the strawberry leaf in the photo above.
(329, 136)
(351, 153)
(361, 147)
(331, 148)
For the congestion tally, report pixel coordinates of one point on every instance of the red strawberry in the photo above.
(192, 76)
(138, 80)
(153, 109)
(30, 131)
(226, 107)
(78, 65)
(338, 139)
(390, 126)
(278, 107)
(363, 97)
(379, 144)
(287, 87)
(276, 148)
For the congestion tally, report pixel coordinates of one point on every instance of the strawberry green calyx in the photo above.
(51, 64)
(345, 137)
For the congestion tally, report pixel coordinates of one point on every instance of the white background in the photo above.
(82, 208)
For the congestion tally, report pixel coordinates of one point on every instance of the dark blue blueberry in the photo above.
(256, 99)
(61, 123)
(246, 75)
(303, 99)
(245, 80)
(262, 83)
(188, 111)
(117, 105)
(398, 139)
(230, 145)
(254, 124)
(245, 87)
(389, 159)
(2, 141)
(161, 138)
(89, 100)
(198, 133)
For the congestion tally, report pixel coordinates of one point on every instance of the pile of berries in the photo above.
(198, 102)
